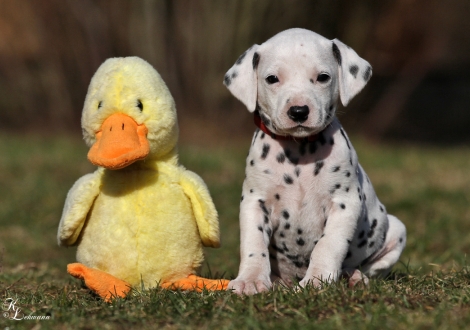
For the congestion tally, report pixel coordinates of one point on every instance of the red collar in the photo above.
(260, 124)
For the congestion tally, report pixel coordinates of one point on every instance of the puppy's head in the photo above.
(295, 80)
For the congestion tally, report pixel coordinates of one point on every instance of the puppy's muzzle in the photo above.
(298, 114)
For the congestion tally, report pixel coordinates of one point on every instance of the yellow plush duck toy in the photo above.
(140, 218)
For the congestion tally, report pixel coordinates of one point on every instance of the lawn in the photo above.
(428, 188)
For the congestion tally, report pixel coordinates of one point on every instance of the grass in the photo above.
(428, 188)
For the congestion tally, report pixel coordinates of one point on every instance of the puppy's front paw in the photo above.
(355, 277)
(315, 282)
(249, 287)
(318, 278)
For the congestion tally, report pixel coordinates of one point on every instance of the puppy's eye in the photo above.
(140, 105)
(323, 78)
(272, 79)
(100, 104)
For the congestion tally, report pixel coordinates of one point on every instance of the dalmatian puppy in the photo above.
(308, 211)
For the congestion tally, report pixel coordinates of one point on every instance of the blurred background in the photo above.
(419, 49)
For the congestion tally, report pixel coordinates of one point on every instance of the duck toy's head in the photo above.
(129, 115)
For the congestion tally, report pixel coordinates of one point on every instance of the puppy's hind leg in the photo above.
(381, 263)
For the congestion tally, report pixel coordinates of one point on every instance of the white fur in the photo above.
(308, 212)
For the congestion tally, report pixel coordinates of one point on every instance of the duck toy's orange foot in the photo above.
(103, 284)
(109, 287)
(196, 283)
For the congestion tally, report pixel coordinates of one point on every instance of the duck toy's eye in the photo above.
(140, 105)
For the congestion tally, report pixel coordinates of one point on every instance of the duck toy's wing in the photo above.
(78, 203)
(203, 208)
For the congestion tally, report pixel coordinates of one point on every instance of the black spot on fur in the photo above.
(278, 249)
(318, 167)
(335, 168)
(342, 206)
(251, 255)
(281, 158)
(251, 190)
(297, 171)
(281, 234)
(254, 137)
(263, 206)
(285, 214)
(348, 255)
(333, 189)
(299, 231)
(265, 152)
(252, 162)
(287, 226)
(362, 243)
(354, 69)
(255, 60)
(332, 141)
(288, 179)
(267, 172)
(263, 255)
(241, 199)
(277, 196)
(291, 159)
(260, 228)
(381, 208)
(284, 247)
(234, 74)
(361, 234)
(371, 244)
(367, 73)
(401, 240)
(374, 224)
(337, 54)
(266, 219)
(346, 139)
(269, 232)
(262, 136)
(265, 120)
(240, 59)
(298, 264)
(346, 189)
(348, 174)
(227, 80)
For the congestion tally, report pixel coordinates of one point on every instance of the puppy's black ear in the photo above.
(354, 71)
(241, 78)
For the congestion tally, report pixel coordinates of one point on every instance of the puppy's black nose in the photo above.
(298, 114)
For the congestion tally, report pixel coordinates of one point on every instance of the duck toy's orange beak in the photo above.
(119, 143)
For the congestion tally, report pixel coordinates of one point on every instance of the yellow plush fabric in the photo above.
(140, 219)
